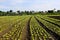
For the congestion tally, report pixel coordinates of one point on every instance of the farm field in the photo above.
(30, 27)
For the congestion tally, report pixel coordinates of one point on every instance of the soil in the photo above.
(26, 35)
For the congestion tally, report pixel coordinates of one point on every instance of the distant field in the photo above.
(30, 27)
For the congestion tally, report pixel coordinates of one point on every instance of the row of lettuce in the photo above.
(38, 32)
(50, 31)
(14, 31)
(16, 24)
(50, 23)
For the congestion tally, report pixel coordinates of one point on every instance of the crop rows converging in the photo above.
(29, 27)
(15, 29)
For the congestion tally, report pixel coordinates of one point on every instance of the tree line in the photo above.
(11, 13)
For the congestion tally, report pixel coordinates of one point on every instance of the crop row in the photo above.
(16, 29)
(38, 32)
(55, 30)
(52, 20)
(29, 28)
(6, 22)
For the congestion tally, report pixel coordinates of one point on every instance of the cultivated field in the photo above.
(30, 27)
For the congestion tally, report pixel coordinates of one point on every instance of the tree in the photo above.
(19, 12)
(50, 11)
(0, 11)
(11, 11)
(58, 10)
(27, 12)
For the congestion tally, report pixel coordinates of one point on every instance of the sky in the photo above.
(29, 5)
